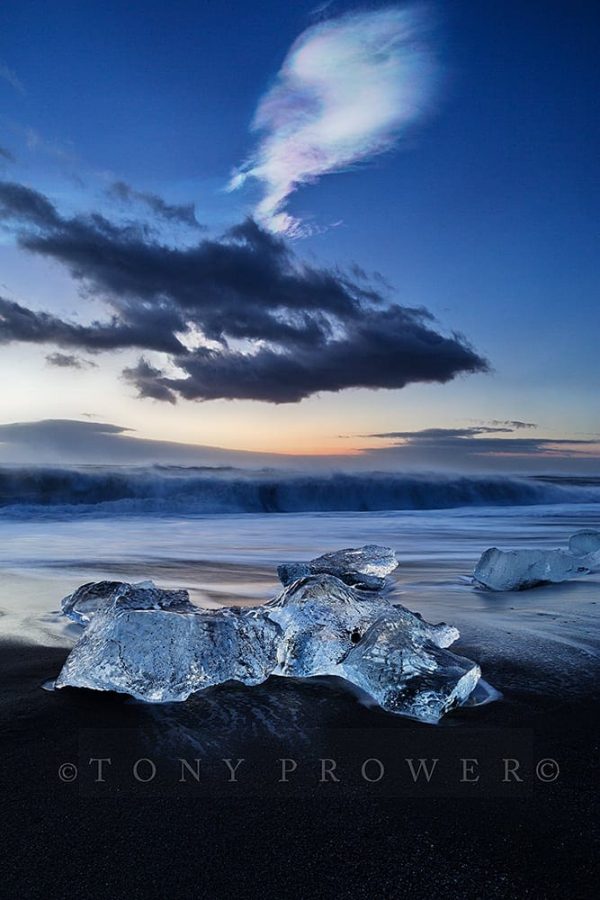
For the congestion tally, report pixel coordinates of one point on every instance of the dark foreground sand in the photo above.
(352, 839)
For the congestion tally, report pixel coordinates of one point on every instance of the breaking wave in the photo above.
(163, 490)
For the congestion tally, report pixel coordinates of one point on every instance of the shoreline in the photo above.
(354, 839)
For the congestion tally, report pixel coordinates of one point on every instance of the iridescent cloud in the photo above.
(347, 90)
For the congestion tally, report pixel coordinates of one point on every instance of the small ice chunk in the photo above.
(415, 679)
(517, 570)
(164, 651)
(87, 600)
(584, 542)
(363, 567)
(368, 560)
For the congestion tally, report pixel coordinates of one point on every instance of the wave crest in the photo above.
(201, 491)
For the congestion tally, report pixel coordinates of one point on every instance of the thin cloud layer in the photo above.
(75, 441)
(70, 441)
(514, 424)
(433, 435)
(239, 318)
(68, 361)
(451, 446)
(182, 214)
(11, 77)
(347, 90)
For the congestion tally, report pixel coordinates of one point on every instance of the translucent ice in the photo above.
(88, 599)
(318, 625)
(584, 542)
(364, 567)
(517, 570)
(407, 676)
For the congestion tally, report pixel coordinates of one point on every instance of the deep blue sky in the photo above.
(487, 212)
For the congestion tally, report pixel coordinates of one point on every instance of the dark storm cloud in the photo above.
(184, 214)
(68, 361)
(387, 349)
(240, 317)
(18, 323)
(147, 379)
(21, 204)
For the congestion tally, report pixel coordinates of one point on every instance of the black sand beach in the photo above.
(61, 839)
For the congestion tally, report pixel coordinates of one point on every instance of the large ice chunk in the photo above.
(517, 570)
(166, 654)
(316, 626)
(585, 542)
(364, 567)
(88, 599)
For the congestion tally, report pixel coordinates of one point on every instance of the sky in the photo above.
(357, 233)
